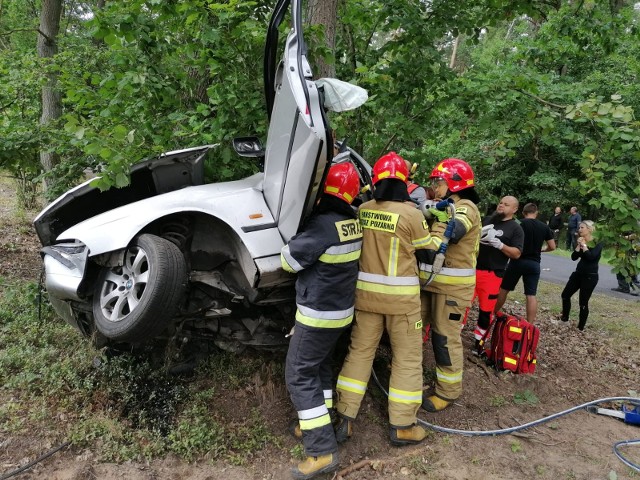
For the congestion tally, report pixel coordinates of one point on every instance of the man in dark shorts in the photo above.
(501, 239)
(528, 265)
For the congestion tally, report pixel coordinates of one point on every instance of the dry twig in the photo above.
(352, 468)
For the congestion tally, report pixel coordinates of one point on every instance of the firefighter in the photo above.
(449, 292)
(387, 297)
(325, 256)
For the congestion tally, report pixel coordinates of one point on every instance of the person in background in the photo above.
(448, 293)
(501, 239)
(395, 234)
(585, 277)
(325, 256)
(527, 267)
(555, 224)
(417, 192)
(628, 284)
(572, 228)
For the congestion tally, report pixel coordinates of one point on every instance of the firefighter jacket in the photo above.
(388, 281)
(325, 255)
(458, 275)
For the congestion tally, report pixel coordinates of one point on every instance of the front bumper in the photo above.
(65, 268)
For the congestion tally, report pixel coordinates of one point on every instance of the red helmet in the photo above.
(390, 165)
(343, 182)
(457, 173)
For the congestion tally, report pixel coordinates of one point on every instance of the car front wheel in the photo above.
(134, 302)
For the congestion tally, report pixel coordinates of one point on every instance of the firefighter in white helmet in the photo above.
(325, 256)
(387, 298)
(450, 291)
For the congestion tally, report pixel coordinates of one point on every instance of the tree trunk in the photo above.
(51, 96)
(324, 12)
(452, 61)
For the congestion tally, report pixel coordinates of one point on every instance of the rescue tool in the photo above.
(630, 416)
(442, 250)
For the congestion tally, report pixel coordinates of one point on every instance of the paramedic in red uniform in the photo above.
(501, 239)
(450, 292)
(395, 234)
(325, 256)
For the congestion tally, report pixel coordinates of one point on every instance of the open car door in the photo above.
(299, 142)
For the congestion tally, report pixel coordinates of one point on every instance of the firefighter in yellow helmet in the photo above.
(447, 294)
(387, 297)
(325, 255)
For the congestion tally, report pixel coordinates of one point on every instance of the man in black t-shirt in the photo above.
(536, 233)
(502, 239)
(555, 223)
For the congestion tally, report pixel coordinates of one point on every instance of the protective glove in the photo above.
(487, 233)
(495, 242)
(443, 205)
(439, 215)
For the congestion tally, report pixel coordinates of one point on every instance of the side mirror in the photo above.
(248, 147)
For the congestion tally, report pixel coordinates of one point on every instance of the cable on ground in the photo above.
(504, 431)
(33, 462)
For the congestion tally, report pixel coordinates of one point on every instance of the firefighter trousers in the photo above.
(445, 313)
(308, 373)
(405, 384)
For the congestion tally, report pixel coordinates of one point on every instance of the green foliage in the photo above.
(516, 446)
(297, 452)
(541, 98)
(197, 432)
(167, 76)
(611, 165)
(127, 407)
(527, 397)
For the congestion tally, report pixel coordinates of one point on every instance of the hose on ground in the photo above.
(33, 462)
(621, 457)
(504, 431)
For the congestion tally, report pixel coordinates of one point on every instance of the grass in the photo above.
(618, 318)
(131, 408)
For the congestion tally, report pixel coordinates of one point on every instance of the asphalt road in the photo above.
(556, 269)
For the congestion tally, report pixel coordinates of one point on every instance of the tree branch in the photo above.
(393, 137)
(541, 100)
(4, 107)
(4, 34)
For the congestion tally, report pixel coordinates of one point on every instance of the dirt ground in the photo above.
(573, 368)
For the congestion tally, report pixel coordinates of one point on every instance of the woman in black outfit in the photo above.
(585, 278)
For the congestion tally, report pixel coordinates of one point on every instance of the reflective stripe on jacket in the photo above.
(325, 256)
(458, 275)
(388, 280)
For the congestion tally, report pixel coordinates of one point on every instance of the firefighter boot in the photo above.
(294, 429)
(435, 404)
(344, 429)
(314, 466)
(407, 436)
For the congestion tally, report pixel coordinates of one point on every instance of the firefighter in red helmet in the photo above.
(449, 292)
(387, 297)
(324, 254)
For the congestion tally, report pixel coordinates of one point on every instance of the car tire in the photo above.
(135, 302)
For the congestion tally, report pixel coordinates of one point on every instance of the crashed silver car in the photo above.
(169, 256)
